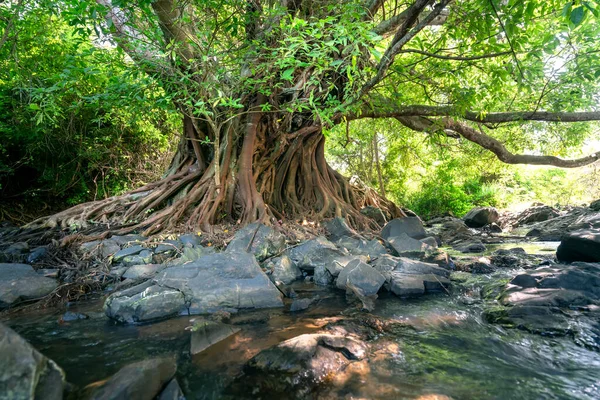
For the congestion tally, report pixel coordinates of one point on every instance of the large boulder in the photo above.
(478, 217)
(366, 279)
(313, 253)
(222, 281)
(258, 239)
(19, 282)
(411, 226)
(207, 333)
(143, 303)
(143, 380)
(583, 245)
(361, 247)
(404, 245)
(24, 372)
(376, 214)
(595, 205)
(300, 364)
(282, 270)
(576, 218)
(536, 213)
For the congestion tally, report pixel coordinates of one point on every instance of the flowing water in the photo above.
(441, 347)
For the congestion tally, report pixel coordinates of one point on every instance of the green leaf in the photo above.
(34, 107)
(288, 74)
(577, 15)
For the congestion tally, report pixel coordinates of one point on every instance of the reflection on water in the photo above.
(438, 348)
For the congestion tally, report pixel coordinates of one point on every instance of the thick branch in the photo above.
(450, 127)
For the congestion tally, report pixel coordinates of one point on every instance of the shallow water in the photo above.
(441, 347)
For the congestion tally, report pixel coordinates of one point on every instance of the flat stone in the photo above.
(411, 226)
(144, 271)
(143, 380)
(190, 240)
(126, 239)
(168, 246)
(19, 282)
(258, 239)
(24, 372)
(282, 269)
(222, 281)
(145, 257)
(144, 302)
(361, 276)
(404, 245)
(206, 333)
(318, 251)
(356, 246)
(128, 251)
(405, 285)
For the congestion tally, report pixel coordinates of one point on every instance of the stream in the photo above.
(441, 349)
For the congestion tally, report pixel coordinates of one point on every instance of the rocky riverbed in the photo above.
(449, 308)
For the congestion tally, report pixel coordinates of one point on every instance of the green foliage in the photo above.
(75, 122)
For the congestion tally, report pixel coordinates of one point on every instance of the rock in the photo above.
(194, 253)
(478, 217)
(475, 246)
(127, 239)
(595, 205)
(480, 267)
(375, 214)
(536, 214)
(357, 247)
(315, 252)
(301, 363)
(411, 285)
(24, 372)
(168, 246)
(361, 276)
(144, 302)
(404, 245)
(493, 228)
(430, 241)
(19, 282)
(144, 271)
(128, 251)
(339, 228)
(145, 257)
(300, 304)
(104, 248)
(322, 276)
(583, 245)
(37, 254)
(48, 273)
(222, 282)
(190, 240)
(172, 391)
(73, 316)
(143, 380)
(410, 226)
(514, 258)
(266, 241)
(573, 220)
(206, 333)
(282, 269)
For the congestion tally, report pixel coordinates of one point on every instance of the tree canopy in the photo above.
(256, 82)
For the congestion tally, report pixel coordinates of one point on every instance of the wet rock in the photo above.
(19, 282)
(145, 257)
(206, 333)
(338, 228)
(480, 266)
(315, 252)
(322, 276)
(361, 276)
(24, 372)
(583, 245)
(37, 254)
(595, 205)
(144, 302)
(283, 270)
(172, 391)
(478, 217)
(537, 213)
(375, 214)
(300, 364)
(454, 230)
(410, 226)
(515, 258)
(143, 380)
(73, 316)
(300, 304)
(405, 246)
(144, 271)
(222, 282)
(355, 246)
(475, 246)
(430, 241)
(128, 251)
(493, 228)
(264, 241)
(190, 240)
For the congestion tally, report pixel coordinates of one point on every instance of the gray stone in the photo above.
(222, 281)
(128, 251)
(144, 271)
(300, 304)
(117, 272)
(356, 246)
(430, 241)
(583, 245)
(322, 276)
(375, 214)
(145, 257)
(410, 226)
(143, 380)
(536, 214)
(409, 285)
(144, 302)
(37, 254)
(573, 220)
(478, 217)
(167, 246)
(283, 270)
(126, 239)
(475, 246)
(404, 245)
(19, 282)
(194, 253)
(595, 205)
(339, 228)
(190, 240)
(315, 252)
(206, 333)
(172, 391)
(264, 241)
(362, 277)
(73, 316)
(24, 372)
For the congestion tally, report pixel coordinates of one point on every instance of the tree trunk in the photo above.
(267, 169)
